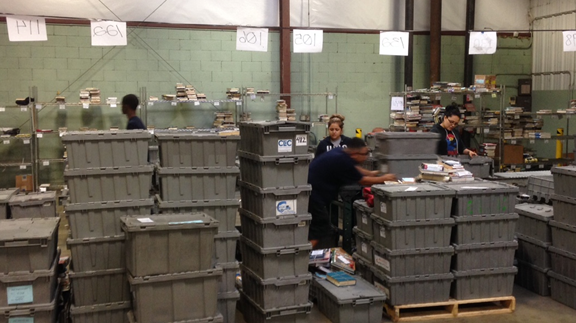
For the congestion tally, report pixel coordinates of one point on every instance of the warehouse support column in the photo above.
(285, 58)
(409, 60)
(469, 59)
(435, 39)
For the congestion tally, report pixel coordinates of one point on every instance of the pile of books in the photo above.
(224, 120)
(285, 113)
(330, 260)
(234, 94)
(90, 95)
(445, 171)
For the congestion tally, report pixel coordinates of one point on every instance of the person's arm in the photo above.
(369, 181)
(366, 172)
(462, 148)
(320, 149)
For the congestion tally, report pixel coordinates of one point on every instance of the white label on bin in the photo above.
(20, 294)
(21, 320)
(6, 142)
(145, 220)
(301, 140)
(286, 207)
(383, 232)
(383, 208)
(364, 247)
(380, 261)
(26, 141)
(364, 219)
(285, 145)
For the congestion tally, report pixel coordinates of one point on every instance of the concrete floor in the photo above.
(530, 308)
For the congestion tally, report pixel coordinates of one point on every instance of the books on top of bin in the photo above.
(342, 260)
(341, 278)
(320, 257)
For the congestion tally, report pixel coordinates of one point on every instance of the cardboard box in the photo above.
(25, 183)
(513, 154)
(485, 81)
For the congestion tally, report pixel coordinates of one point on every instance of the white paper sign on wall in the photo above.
(483, 43)
(569, 40)
(252, 39)
(307, 41)
(394, 43)
(108, 33)
(397, 103)
(23, 28)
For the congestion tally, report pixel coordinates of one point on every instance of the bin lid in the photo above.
(413, 190)
(143, 280)
(101, 171)
(486, 217)
(480, 188)
(545, 178)
(174, 221)
(193, 136)
(486, 245)
(196, 203)
(109, 205)
(485, 272)
(362, 206)
(6, 194)
(411, 252)
(108, 307)
(522, 238)
(96, 273)
(279, 159)
(464, 159)
(564, 170)
(412, 223)
(411, 279)
(286, 250)
(361, 293)
(101, 135)
(279, 125)
(198, 170)
(407, 135)
(278, 281)
(541, 212)
(32, 198)
(27, 312)
(362, 234)
(95, 240)
(28, 229)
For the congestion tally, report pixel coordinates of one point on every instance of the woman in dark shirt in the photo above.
(335, 137)
(450, 143)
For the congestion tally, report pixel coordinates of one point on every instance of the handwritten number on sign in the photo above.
(569, 38)
(109, 30)
(305, 39)
(29, 26)
(108, 33)
(394, 43)
(250, 38)
(21, 28)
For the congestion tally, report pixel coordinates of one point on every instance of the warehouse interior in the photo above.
(203, 214)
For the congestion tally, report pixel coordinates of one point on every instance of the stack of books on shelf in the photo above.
(201, 96)
(445, 171)
(191, 93)
(234, 94)
(250, 91)
(168, 97)
(284, 112)
(224, 120)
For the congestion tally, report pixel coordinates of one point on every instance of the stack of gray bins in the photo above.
(364, 262)
(534, 239)
(33, 205)
(483, 239)
(396, 155)
(275, 221)
(171, 277)
(563, 250)
(410, 249)
(541, 188)
(198, 174)
(28, 270)
(109, 177)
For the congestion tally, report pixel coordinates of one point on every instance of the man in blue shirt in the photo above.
(129, 105)
(327, 174)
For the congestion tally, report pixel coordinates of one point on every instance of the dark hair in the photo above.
(131, 101)
(337, 119)
(355, 143)
(452, 110)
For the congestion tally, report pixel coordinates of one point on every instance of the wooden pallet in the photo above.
(451, 309)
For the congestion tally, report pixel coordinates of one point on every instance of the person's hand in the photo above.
(389, 178)
(374, 173)
(472, 153)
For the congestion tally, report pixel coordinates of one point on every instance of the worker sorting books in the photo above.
(327, 174)
(450, 143)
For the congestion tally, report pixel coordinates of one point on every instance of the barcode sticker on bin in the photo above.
(383, 208)
(364, 219)
(364, 247)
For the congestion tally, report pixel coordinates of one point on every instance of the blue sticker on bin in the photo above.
(21, 320)
(20, 294)
(186, 222)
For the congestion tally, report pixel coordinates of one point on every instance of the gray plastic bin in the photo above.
(275, 262)
(27, 245)
(99, 287)
(359, 303)
(484, 255)
(363, 246)
(5, 195)
(109, 184)
(274, 171)
(483, 283)
(276, 292)
(479, 166)
(533, 251)
(207, 183)
(563, 262)
(291, 314)
(412, 202)
(404, 166)
(363, 219)
(485, 228)
(227, 305)
(275, 232)
(34, 313)
(371, 163)
(562, 289)
(194, 149)
(406, 143)
(565, 181)
(267, 203)
(563, 236)
(229, 272)
(103, 148)
(38, 287)
(33, 205)
(410, 289)
(412, 234)
(90, 254)
(540, 188)
(100, 219)
(363, 267)
(533, 221)
(477, 198)
(412, 262)
(175, 297)
(225, 246)
(564, 209)
(224, 211)
(533, 278)
(268, 138)
(109, 313)
(169, 238)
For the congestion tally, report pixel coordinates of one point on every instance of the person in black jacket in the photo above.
(130, 103)
(335, 137)
(450, 143)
